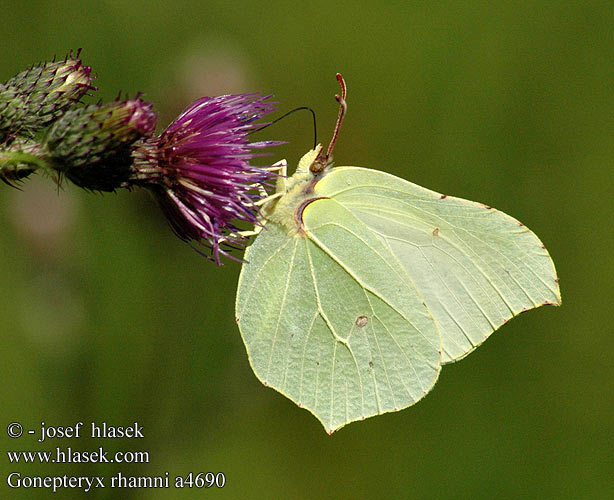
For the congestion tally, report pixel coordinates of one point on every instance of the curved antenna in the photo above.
(323, 159)
(307, 108)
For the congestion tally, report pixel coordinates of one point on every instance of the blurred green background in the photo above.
(106, 316)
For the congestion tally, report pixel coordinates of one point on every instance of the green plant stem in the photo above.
(17, 158)
(19, 161)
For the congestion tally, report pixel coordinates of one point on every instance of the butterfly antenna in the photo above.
(323, 160)
(301, 108)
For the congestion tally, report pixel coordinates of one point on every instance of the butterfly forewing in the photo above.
(474, 266)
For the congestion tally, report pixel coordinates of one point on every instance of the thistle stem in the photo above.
(16, 159)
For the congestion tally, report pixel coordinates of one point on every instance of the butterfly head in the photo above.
(306, 162)
(294, 193)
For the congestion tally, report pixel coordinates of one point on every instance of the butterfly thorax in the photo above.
(296, 193)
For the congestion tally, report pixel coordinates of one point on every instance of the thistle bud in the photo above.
(92, 146)
(39, 95)
(12, 112)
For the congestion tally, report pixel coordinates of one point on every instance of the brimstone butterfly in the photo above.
(362, 285)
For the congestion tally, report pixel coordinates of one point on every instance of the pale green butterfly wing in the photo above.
(331, 319)
(474, 266)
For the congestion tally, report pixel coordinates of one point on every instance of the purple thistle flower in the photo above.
(199, 170)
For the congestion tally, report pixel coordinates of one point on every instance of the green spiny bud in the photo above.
(19, 159)
(92, 146)
(13, 109)
(39, 95)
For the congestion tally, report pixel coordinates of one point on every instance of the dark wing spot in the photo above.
(443, 196)
(361, 321)
(436, 231)
(371, 365)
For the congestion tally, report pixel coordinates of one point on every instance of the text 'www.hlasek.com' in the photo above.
(104, 433)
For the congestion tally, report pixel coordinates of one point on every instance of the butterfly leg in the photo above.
(242, 234)
(247, 234)
(268, 198)
(281, 166)
(282, 181)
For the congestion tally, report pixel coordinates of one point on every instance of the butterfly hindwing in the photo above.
(331, 319)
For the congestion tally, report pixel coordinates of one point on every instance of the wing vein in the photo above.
(281, 308)
(336, 337)
(255, 278)
(364, 285)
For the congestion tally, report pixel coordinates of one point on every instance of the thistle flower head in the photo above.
(199, 169)
(36, 97)
(92, 146)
